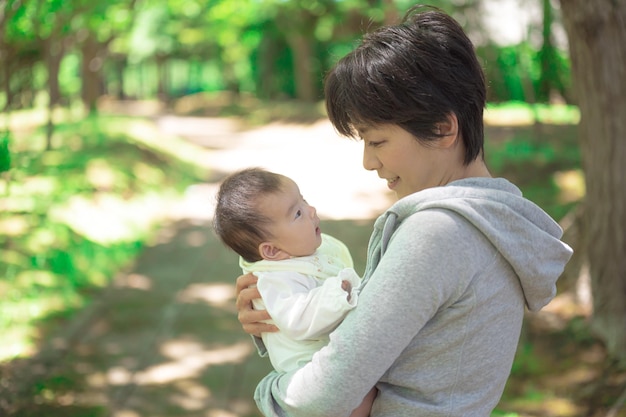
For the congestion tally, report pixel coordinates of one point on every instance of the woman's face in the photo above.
(406, 164)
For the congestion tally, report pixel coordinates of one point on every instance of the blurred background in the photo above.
(120, 118)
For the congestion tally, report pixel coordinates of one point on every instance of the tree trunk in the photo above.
(7, 56)
(266, 63)
(53, 54)
(597, 35)
(304, 68)
(162, 78)
(118, 66)
(392, 16)
(550, 81)
(91, 69)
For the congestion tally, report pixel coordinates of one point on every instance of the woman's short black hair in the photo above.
(413, 75)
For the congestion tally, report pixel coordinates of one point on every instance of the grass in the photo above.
(72, 218)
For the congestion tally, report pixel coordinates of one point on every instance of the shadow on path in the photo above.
(163, 340)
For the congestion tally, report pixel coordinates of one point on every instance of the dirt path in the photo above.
(163, 340)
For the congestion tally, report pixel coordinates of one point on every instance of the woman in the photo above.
(451, 265)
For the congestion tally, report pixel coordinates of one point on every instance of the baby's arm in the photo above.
(304, 310)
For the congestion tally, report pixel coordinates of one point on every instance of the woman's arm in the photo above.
(412, 281)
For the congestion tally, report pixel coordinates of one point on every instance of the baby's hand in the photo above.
(347, 287)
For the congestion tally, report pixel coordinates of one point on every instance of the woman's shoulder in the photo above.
(436, 219)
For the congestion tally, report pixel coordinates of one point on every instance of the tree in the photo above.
(550, 79)
(597, 34)
(96, 30)
(300, 20)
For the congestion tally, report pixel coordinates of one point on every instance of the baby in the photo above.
(306, 278)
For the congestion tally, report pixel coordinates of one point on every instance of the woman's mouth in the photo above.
(392, 182)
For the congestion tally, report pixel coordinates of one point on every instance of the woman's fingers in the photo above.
(244, 281)
(251, 320)
(245, 297)
(252, 316)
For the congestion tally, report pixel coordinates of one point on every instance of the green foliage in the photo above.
(514, 72)
(75, 217)
(5, 153)
(241, 45)
(533, 155)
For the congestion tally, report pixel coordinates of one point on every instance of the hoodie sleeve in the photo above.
(413, 280)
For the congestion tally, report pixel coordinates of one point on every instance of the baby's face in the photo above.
(295, 226)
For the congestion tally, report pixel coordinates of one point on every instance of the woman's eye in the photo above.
(375, 144)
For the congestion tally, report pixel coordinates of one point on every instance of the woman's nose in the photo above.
(370, 162)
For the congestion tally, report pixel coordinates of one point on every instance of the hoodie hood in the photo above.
(527, 237)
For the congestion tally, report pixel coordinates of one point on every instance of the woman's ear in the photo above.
(449, 129)
(271, 252)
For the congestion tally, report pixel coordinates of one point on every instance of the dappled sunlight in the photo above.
(216, 295)
(237, 408)
(101, 175)
(537, 404)
(177, 349)
(40, 239)
(190, 361)
(135, 281)
(110, 218)
(194, 127)
(566, 306)
(148, 173)
(119, 376)
(96, 380)
(40, 185)
(19, 339)
(126, 413)
(188, 403)
(17, 203)
(220, 413)
(571, 185)
(191, 395)
(143, 131)
(13, 226)
(578, 375)
(524, 114)
(196, 238)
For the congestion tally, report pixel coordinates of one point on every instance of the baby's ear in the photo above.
(271, 252)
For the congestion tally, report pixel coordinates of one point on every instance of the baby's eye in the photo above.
(298, 213)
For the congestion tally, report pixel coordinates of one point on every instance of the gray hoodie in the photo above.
(450, 270)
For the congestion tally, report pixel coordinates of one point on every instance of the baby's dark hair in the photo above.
(238, 221)
(413, 75)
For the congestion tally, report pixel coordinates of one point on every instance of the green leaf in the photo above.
(5, 153)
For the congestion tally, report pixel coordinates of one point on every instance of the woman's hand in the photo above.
(249, 318)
